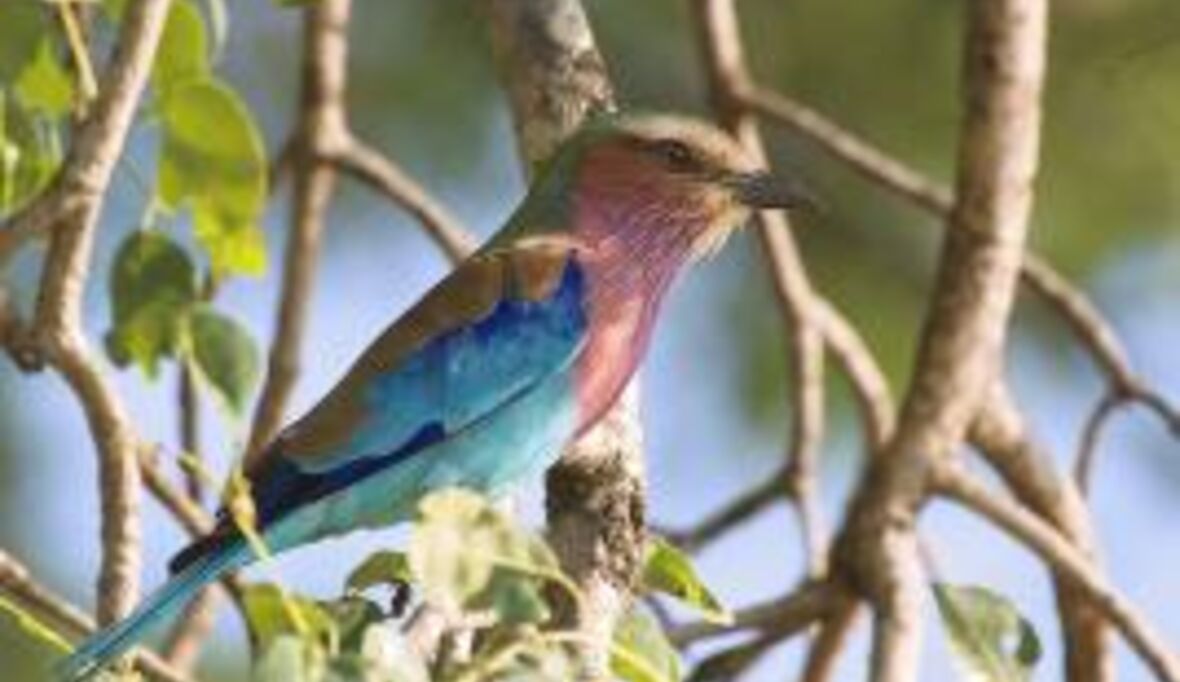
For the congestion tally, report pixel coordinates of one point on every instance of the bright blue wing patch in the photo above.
(448, 384)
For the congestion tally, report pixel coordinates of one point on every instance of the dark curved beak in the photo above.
(761, 189)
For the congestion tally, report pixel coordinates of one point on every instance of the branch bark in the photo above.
(963, 335)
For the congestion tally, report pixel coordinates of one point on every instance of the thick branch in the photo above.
(964, 331)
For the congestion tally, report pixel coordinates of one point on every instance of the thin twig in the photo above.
(386, 177)
(732, 514)
(17, 581)
(1087, 449)
(957, 484)
(1001, 434)
(810, 602)
(881, 168)
(321, 125)
(717, 25)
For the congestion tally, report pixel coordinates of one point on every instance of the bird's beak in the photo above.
(760, 189)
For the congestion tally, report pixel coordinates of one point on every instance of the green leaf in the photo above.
(22, 25)
(353, 616)
(30, 153)
(183, 54)
(234, 246)
(640, 652)
(991, 640)
(287, 658)
(272, 613)
(226, 356)
(380, 568)
(153, 284)
(515, 598)
(212, 157)
(459, 540)
(44, 86)
(666, 569)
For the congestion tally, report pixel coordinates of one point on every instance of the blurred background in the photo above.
(422, 89)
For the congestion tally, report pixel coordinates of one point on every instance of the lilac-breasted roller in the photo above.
(514, 354)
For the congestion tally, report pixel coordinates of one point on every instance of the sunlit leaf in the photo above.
(226, 355)
(380, 568)
(515, 598)
(44, 86)
(991, 640)
(212, 157)
(459, 540)
(184, 52)
(640, 652)
(271, 613)
(153, 284)
(666, 569)
(30, 153)
(288, 658)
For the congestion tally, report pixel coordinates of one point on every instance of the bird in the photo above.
(508, 359)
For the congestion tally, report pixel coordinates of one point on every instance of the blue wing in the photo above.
(436, 371)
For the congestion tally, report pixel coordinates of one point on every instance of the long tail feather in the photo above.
(110, 642)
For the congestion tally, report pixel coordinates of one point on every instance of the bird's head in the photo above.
(653, 175)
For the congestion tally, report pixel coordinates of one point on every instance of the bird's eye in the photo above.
(677, 154)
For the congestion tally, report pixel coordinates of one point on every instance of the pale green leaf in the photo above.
(44, 86)
(183, 54)
(212, 157)
(666, 569)
(272, 613)
(380, 568)
(234, 246)
(153, 284)
(991, 640)
(640, 652)
(288, 658)
(226, 356)
(459, 540)
(30, 153)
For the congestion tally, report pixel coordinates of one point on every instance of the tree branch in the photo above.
(70, 208)
(725, 64)
(1028, 470)
(964, 332)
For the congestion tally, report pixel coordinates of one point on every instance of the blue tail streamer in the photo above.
(103, 646)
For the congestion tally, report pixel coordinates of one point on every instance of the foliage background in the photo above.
(423, 90)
